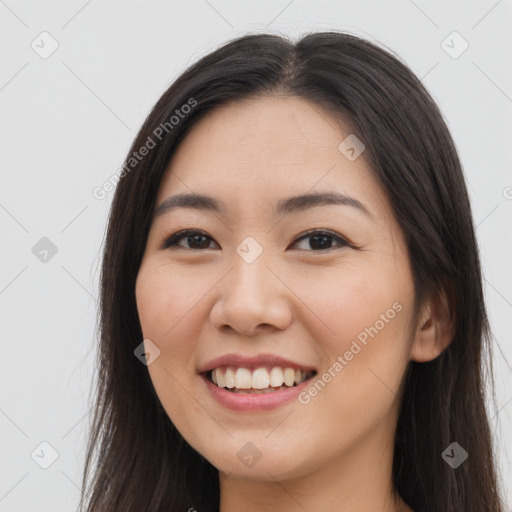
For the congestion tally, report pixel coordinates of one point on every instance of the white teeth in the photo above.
(220, 378)
(276, 377)
(260, 378)
(289, 376)
(243, 379)
(229, 378)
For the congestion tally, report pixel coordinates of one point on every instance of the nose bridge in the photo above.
(250, 276)
(251, 295)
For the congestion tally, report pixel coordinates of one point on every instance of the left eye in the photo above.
(319, 240)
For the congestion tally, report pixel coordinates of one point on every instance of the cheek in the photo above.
(362, 306)
(368, 315)
(167, 301)
(166, 297)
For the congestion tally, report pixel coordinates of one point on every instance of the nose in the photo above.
(251, 299)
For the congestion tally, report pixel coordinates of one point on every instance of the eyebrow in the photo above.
(284, 206)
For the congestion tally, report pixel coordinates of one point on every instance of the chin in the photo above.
(264, 465)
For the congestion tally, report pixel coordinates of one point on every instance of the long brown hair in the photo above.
(136, 459)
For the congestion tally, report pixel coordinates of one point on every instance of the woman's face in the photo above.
(252, 294)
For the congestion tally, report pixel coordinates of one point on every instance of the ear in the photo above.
(435, 328)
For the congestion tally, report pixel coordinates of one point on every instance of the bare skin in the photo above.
(298, 301)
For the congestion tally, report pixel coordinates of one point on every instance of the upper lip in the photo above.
(252, 362)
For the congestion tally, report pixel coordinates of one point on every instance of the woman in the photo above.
(292, 314)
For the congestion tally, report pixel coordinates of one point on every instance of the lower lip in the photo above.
(256, 401)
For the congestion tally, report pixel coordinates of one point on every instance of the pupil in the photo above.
(195, 237)
(316, 240)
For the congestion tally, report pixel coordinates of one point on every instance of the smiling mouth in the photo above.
(259, 380)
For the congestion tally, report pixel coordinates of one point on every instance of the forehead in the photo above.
(263, 148)
(286, 130)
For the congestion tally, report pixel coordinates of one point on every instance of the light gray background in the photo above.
(67, 122)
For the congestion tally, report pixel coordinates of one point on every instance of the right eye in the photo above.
(196, 240)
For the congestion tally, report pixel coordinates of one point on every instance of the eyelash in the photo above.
(171, 241)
